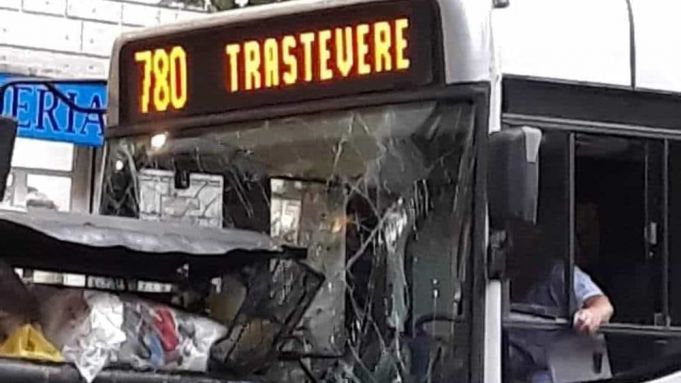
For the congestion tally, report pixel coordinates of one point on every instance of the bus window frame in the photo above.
(573, 127)
(472, 92)
(551, 104)
(666, 331)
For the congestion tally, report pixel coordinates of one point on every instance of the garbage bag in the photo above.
(98, 338)
(29, 343)
(95, 329)
(62, 311)
(159, 337)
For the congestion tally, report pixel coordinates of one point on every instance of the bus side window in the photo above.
(618, 207)
(674, 178)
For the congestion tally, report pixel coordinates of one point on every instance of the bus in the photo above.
(349, 129)
(400, 143)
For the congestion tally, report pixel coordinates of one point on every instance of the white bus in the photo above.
(360, 130)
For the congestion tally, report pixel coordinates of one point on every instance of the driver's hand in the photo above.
(587, 321)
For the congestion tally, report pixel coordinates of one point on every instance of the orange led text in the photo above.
(317, 56)
(164, 79)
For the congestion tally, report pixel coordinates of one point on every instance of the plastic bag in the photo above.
(27, 342)
(99, 337)
(161, 338)
(98, 329)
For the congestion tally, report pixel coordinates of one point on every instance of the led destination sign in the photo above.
(254, 65)
(349, 50)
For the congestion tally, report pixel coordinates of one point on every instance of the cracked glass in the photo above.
(381, 201)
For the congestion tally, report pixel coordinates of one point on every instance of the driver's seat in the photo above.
(575, 358)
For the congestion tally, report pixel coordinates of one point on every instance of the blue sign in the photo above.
(43, 115)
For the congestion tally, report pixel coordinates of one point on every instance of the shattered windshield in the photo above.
(380, 199)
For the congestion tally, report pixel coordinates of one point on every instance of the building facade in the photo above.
(62, 39)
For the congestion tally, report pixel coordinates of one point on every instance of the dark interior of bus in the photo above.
(610, 177)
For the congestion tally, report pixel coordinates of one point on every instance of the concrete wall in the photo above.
(72, 38)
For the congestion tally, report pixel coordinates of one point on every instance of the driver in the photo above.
(528, 348)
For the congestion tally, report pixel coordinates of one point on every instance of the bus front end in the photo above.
(352, 130)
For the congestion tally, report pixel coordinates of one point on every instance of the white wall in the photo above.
(71, 38)
(658, 34)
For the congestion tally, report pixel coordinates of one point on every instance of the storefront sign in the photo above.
(42, 115)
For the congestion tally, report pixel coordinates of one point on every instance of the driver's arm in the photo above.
(596, 308)
(596, 311)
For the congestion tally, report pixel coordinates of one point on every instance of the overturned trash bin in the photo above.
(121, 336)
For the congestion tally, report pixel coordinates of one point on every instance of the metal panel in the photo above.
(591, 103)
(467, 40)
(578, 40)
(493, 348)
(658, 36)
(81, 186)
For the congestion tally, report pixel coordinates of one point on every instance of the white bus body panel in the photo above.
(467, 40)
(575, 40)
(493, 319)
(590, 42)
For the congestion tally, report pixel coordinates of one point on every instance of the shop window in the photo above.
(49, 191)
(37, 154)
(47, 174)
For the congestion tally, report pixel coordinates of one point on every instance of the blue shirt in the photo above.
(548, 292)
